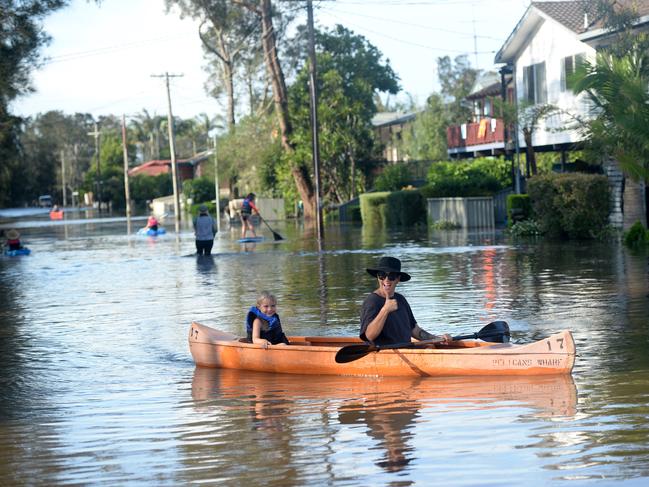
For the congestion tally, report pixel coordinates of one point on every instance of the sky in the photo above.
(104, 59)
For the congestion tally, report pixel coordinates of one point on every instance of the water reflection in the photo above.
(389, 410)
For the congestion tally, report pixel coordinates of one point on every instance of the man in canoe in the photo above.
(386, 317)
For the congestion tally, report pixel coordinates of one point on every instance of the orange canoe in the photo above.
(56, 215)
(316, 355)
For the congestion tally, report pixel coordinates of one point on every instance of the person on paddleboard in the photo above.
(247, 207)
(386, 317)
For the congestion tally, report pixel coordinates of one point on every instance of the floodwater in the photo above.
(97, 385)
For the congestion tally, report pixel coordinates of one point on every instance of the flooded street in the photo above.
(98, 385)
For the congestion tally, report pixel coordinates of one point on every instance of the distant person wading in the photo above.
(204, 231)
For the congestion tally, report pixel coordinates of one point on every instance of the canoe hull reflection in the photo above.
(554, 395)
(316, 355)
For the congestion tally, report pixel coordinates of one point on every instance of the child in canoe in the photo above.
(262, 322)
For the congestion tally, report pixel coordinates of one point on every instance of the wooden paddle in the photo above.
(496, 331)
(276, 235)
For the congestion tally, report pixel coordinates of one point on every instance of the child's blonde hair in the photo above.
(266, 296)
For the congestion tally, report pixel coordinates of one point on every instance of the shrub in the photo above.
(144, 188)
(572, 206)
(519, 208)
(393, 208)
(463, 179)
(445, 225)
(393, 178)
(199, 189)
(637, 237)
(525, 228)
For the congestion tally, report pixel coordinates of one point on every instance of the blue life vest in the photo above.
(245, 207)
(274, 334)
(253, 312)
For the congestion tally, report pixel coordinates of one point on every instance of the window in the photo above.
(568, 67)
(534, 83)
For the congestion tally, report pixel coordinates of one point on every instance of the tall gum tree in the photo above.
(263, 9)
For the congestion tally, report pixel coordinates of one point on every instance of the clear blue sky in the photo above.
(102, 57)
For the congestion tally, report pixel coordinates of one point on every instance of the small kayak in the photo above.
(250, 239)
(147, 232)
(56, 215)
(16, 253)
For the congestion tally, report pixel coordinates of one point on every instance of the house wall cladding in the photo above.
(477, 212)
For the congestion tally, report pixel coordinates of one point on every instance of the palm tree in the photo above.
(617, 86)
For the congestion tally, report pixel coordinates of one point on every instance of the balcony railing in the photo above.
(486, 131)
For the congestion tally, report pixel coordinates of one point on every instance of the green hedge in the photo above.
(574, 206)
(479, 177)
(398, 208)
(519, 208)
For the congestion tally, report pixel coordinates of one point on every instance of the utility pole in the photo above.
(315, 146)
(216, 187)
(65, 197)
(172, 149)
(95, 133)
(127, 191)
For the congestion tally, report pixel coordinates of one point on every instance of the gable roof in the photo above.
(573, 15)
(158, 166)
(382, 119)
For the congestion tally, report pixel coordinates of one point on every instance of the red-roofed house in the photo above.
(187, 168)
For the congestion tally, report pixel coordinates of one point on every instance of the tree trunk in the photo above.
(529, 152)
(300, 173)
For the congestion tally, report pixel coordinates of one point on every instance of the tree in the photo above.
(21, 38)
(149, 134)
(456, 80)
(617, 86)
(263, 9)
(350, 72)
(426, 139)
(226, 31)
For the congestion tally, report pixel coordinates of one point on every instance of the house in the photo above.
(388, 127)
(542, 52)
(187, 168)
(485, 134)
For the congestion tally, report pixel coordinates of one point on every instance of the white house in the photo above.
(543, 50)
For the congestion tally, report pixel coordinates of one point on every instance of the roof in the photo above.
(392, 118)
(578, 16)
(161, 166)
(573, 15)
(487, 84)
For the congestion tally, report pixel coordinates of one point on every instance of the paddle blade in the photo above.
(277, 236)
(349, 353)
(496, 331)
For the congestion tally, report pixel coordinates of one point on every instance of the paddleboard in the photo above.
(151, 233)
(15, 253)
(250, 239)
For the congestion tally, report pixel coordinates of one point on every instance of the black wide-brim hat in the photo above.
(387, 265)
